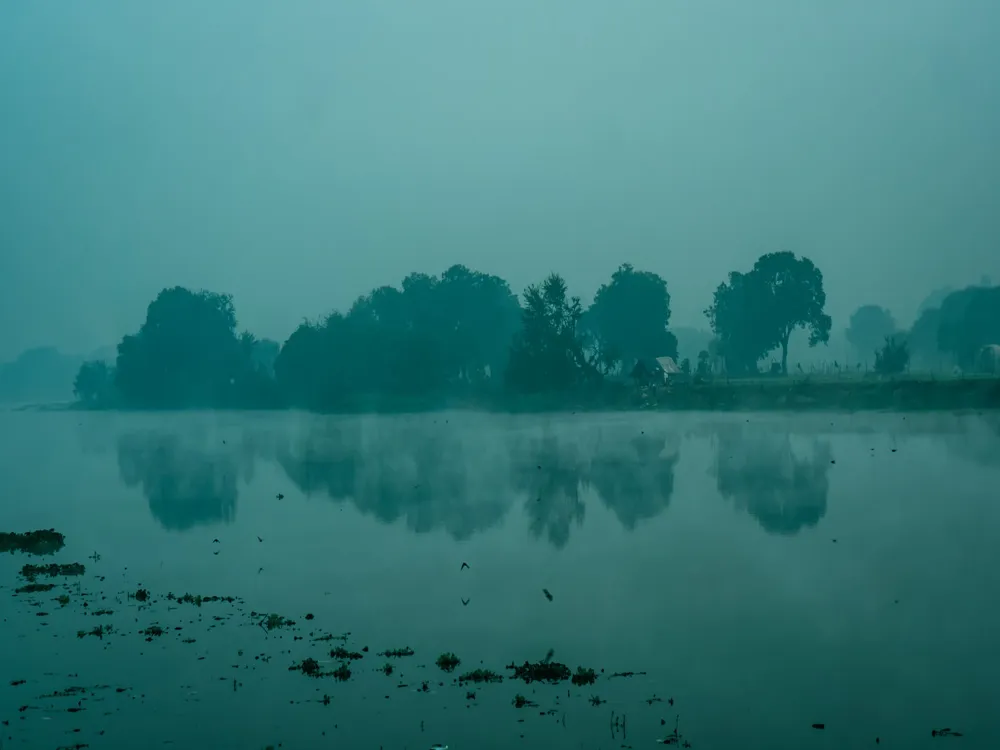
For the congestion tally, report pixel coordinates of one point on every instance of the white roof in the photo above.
(668, 364)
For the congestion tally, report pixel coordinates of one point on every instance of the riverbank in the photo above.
(918, 393)
(831, 394)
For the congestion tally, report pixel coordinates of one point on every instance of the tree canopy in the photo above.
(756, 312)
(187, 354)
(547, 354)
(629, 319)
(869, 327)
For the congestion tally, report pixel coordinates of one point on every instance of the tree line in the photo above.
(463, 334)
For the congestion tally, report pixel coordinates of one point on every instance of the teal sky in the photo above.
(296, 154)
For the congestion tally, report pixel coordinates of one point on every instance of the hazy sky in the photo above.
(296, 154)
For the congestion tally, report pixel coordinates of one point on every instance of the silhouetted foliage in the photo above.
(757, 311)
(94, 383)
(547, 354)
(893, 358)
(432, 336)
(869, 327)
(628, 320)
(187, 354)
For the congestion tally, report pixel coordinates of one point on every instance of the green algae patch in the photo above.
(40, 542)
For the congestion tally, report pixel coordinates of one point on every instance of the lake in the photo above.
(757, 575)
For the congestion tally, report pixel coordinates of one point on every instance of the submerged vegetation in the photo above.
(464, 339)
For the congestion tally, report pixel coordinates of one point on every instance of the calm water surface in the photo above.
(766, 572)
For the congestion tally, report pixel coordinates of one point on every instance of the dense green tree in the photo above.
(869, 326)
(94, 383)
(187, 354)
(757, 311)
(894, 356)
(547, 354)
(430, 336)
(737, 315)
(628, 319)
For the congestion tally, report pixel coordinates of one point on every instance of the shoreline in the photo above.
(758, 394)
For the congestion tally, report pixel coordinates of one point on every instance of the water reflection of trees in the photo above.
(632, 474)
(185, 484)
(635, 477)
(549, 473)
(464, 477)
(763, 474)
(430, 476)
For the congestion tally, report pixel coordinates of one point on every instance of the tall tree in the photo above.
(737, 315)
(547, 354)
(185, 354)
(757, 311)
(869, 327)
(629, 317)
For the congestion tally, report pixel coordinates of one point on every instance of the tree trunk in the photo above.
(784, 354)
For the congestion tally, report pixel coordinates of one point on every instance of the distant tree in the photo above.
(737, 315)
(797, 298)
(547, 354)
(93, 383)
(430, 335)
(757, 311)
(629, 317)
(704, 368)
(893, 358)
(186, 354)
(869, 326)
(922, 338)
(970, 320)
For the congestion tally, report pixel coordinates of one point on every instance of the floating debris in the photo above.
(551, 671)
(153, 631)
(34, 588)
(626, 674)
(583, 676)
(946, 732)
(100, 631)
(386, 669)
(464, 566)
(547, 594)
(308, 667)
(819, 726)
(343, 654)
(397, 653)
(141, 595)
(521, 702)
(480, 676)
(274, 622)
(448, 662)
(41, 542)
(342, 673)
(52, 570)
(197, 599)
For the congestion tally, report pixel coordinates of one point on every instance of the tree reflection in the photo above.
(430, 477)
(185, 485)
(635, 477)
(549, 472)
(763, 474)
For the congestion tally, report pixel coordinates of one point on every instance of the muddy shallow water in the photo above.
(757, 575)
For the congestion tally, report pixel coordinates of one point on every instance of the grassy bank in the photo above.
(915, 393)
(846, 394)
